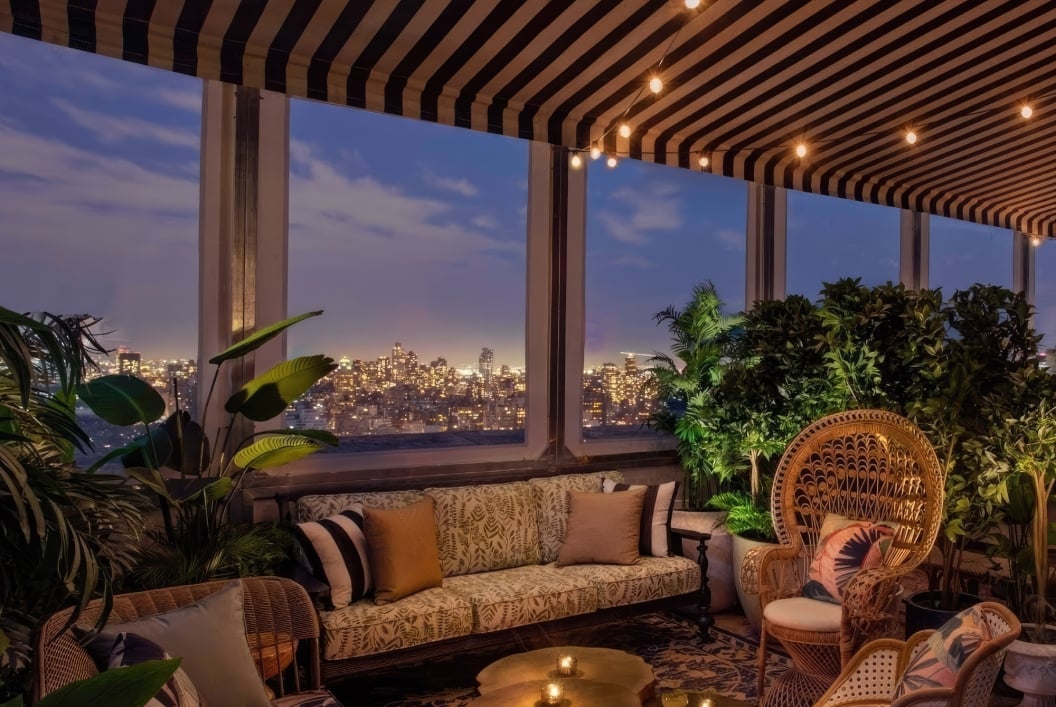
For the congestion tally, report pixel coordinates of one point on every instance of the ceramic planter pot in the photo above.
(922, 610)
(749, 603)
(720, 553)
(1031, 669)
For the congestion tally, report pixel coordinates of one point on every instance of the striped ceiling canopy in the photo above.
(743, 80)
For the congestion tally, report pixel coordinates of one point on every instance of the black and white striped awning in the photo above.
(743, 79)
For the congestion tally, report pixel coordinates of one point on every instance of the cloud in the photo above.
(110, 128)
(634, 216)
(458, 185)
(484, 222)
(190, 101)
(633, 261)
(733, 240)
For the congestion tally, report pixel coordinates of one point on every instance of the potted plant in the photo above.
(1030, 663)
(196, 478)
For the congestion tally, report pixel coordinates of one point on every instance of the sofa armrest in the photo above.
(704, 618)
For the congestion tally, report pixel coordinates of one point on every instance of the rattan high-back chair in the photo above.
(279, 618)
(875, 670)
(867, 465)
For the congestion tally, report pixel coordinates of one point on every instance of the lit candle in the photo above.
(566, 666)
(707, 702)
(553, 693)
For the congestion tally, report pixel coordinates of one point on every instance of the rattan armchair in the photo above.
(279, 619)
(871, 676)
(868, 465)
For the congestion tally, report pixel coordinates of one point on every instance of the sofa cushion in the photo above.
(651, 578)
(550, 496)
(401, 543)
(947, 649)
(656, 515)
(523, 595)
(364, 628)
(336, 551)
(325, 505)
(602, 528)
(111, 651)
(485, 527)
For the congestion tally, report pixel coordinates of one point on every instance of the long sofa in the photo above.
(497, 548)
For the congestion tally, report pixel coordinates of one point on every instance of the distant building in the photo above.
(129, 362)
(486, 363)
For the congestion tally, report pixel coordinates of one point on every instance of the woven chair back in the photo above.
(870, 465)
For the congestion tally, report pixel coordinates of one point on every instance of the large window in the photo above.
(829, 239)
(653, 232)
(412, 236)
(1045, 296)
(964, 253)
(99, 205)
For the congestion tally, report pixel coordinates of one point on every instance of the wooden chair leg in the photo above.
(762, 664)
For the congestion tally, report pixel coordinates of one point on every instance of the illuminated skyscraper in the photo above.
(486, 364)
(129, 362)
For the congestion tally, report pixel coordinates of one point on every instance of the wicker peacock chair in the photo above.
(869, 465)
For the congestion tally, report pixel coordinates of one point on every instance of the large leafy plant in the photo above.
(197, 476)
(64, 534)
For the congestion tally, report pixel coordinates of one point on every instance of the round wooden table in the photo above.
(601, 665)
(578, 693)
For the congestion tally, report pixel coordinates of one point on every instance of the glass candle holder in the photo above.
(566, 665)
(552, 693)
(707, 702)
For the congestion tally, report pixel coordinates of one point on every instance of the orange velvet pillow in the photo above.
(404, 556)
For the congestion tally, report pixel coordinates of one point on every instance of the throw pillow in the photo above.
(842, 554)
(336, 548)
(602, 528)
(947, 650)
(210, 637)
(403, 550)
(656, 515)
(123, 649)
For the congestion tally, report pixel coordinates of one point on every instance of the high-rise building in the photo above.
(486, 363)
(129, 362)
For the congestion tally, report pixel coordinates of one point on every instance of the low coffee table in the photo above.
(599, 665)
(695, 698)
(581, 693)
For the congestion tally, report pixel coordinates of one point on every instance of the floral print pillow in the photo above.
(847, 547)
(947, 650)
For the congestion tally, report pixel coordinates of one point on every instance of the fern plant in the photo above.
(196, 477)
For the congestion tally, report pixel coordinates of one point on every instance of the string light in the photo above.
(703, 160)
(801, 150)
(911, 137)
(692, 4)
(656, 85)
(625, 130)
(1035, 241)
(611, 162)
(1026, 111)
(595, 151)
(576, 161)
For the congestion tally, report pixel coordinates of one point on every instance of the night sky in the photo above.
(401, 230)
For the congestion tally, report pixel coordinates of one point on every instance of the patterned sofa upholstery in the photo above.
(497, 543)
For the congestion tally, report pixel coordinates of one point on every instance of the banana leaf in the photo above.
(270, 393)
(257, 339)
(153, 450)
(122, 400)
(274, 451)
(190, 446)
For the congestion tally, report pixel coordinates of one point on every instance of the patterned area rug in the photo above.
(667, 642)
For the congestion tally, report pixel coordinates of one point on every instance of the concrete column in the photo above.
(913, 250)
(766, 261)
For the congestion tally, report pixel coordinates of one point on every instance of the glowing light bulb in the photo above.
(911, 137)
(1035, 241)
(656, 84)
(692, 4)
(703, 160)
(625, 130)
(611, 162)
(801, 150)
(595, 151)
(576, 161)
(1026, 111)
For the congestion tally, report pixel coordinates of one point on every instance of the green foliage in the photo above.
(744, 516)
(197, 543)
(65, 535)
(133, 686)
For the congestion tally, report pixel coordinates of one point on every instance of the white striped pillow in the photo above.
(656, 515)
(336, 549)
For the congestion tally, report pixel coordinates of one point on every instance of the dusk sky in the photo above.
(401, 230)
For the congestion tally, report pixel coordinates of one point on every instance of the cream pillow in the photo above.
(210, 636)
(402, 545)
(602, 528)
